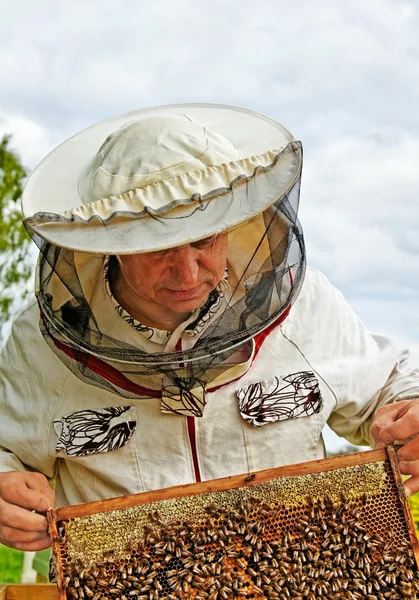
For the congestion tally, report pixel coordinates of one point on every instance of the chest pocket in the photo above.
(280, 398)
(91, 431)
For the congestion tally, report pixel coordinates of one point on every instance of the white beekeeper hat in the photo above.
(160, 177)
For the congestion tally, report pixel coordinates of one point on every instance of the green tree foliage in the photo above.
(15, 266)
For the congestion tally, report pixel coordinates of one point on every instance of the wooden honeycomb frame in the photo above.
(335, 528)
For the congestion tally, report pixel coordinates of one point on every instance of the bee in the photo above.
(188, 563)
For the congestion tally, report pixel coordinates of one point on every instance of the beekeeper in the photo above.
(177, 335)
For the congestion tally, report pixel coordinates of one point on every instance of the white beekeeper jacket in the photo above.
(321, 347)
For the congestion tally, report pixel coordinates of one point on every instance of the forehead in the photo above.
(208, 245)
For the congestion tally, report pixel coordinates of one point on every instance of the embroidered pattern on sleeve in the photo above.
(280, 398)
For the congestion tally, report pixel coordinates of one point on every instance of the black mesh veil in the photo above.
(265, 265)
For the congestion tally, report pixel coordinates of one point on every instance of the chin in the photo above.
(188, 306)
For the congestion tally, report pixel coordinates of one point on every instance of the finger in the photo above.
(405, 427)
(13, 535)
(387, 415)
(379, 445)
(410, 451)
(379, 423)
(39, 483)
(411, 486)
(20, 518)
(20, 495)
(409, 467)
(32, 546)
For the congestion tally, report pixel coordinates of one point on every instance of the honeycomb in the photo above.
(338, 534)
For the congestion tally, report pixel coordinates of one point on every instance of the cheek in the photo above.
(217, 267)
(145, 275)
(222, 251)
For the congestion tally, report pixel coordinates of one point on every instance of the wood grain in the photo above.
(37, 591)
(218, 485)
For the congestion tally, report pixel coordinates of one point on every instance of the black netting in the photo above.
(266, 265)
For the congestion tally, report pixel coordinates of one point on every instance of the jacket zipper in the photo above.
(192, 442)
(191, 433)
(259, 339)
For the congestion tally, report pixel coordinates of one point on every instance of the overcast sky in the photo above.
(343, 76)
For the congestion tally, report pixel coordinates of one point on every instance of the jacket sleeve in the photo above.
(361, 371)
(9, 462)
(353, 419)
(28, 390)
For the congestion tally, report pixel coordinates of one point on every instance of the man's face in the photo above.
(170, 284)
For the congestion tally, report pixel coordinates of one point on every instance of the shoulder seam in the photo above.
(308, 362)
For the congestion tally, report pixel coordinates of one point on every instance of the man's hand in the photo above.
(22, 493)
(399, 422)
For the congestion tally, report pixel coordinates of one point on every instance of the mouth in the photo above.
(186, 294)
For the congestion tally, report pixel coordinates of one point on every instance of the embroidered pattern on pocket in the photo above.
(91, 431)
(280, 398)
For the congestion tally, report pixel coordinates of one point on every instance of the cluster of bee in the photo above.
(245, 553)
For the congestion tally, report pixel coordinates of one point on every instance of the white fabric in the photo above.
(356, 372)
(168, 162)
(152, 150)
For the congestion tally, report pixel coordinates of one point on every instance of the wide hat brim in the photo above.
(51, 195)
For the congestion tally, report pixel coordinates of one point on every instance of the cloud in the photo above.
(360, 214)
(30, 139)
(293, 60)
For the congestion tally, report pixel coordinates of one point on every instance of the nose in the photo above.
(184, 265)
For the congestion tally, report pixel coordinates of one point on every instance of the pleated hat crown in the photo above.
(151, 150)
(159, 178)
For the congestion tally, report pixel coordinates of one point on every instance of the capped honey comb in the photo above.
(335, 528)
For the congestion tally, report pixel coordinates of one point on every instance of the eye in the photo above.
(157, 254)
(204, 243)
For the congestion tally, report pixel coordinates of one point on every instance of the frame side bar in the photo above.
(55, 545)
(391, 453)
